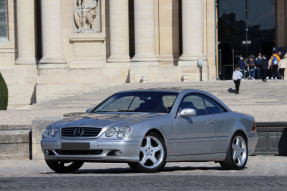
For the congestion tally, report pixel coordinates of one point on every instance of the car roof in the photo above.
(175, 90)
(181, 91)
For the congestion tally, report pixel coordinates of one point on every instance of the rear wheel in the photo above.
(64, 166)
(152, 154)
(237, 154)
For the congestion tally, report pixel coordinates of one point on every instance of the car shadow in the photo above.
(117, 171)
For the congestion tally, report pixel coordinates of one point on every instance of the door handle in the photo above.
(210, 122)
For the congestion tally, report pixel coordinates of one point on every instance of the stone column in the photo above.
(192, 30)
(26, 31)
(280, 23)
(285, 25)
(52, 35)
(144, 31)
(119, 31)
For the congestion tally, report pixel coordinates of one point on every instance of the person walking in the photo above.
(264, 67)
(237, 76)
(241, 65)
(283, 65)
(275, 59)
(251, 63)
(258, 62)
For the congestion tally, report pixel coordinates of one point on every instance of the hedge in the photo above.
(3, 94)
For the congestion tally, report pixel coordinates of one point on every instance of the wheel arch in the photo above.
(240, 131)
(157, 132)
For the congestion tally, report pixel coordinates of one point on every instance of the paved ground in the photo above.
(261, 173)
(26, 116)
(262, 113)
(265, 101)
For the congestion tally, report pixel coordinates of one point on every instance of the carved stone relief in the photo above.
(86, 15)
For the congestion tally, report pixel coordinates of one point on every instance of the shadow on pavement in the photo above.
(232, 91)
(129, 171)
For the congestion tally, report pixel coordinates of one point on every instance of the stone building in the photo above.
(53, 48)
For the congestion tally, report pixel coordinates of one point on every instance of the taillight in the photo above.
(254, 126)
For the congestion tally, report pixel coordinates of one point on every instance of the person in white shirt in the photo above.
(237, 76)
(282, 66)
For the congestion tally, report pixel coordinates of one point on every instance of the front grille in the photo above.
(80, 132)
(79, 152)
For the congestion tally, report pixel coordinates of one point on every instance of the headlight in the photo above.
(110, 132)
(50, 131)
(124, 132)
(54, 131)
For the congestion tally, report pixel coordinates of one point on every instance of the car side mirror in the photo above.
(188, 112)
(88, 110)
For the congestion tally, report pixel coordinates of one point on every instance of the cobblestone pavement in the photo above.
(261, 173)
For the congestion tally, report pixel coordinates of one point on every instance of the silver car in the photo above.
(147, 128)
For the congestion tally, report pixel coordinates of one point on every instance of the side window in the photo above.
(194, 102)
(212, 106)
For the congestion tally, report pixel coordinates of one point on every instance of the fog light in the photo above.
(46, 152)
(118, 153)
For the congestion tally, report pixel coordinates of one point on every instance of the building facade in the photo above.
(53, 48)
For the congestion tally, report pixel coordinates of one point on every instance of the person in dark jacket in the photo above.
(258, 62)
(251, 63)
(241, 65)
(264, 67)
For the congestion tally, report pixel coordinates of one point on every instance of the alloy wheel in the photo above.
(151, 152)
(239, 151)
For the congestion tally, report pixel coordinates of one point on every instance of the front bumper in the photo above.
(112, 150)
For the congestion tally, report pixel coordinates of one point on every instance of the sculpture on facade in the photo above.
(85, 14)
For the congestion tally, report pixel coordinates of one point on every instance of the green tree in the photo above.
(3, 94)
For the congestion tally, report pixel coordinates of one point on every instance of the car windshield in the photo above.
(158, 102)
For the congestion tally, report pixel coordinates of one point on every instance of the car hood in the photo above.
(105, 119)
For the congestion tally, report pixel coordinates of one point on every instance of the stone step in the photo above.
(14, 144)
(251, 92)
(15, 127)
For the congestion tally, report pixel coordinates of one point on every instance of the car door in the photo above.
(194, 135)
(222, 124)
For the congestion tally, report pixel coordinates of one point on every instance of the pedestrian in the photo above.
(251, 63)
(258, 62)
(241, 65)
(275, 59)
(264, 67)
(237, 76)
(283, 65)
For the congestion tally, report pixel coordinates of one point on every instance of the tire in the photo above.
(152, 156)
(63, 166)
(237, 153)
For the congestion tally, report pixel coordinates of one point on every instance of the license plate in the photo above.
(75, 146)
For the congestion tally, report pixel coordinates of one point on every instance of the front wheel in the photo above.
(152, 154)
(237, 154)
(64, 166)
